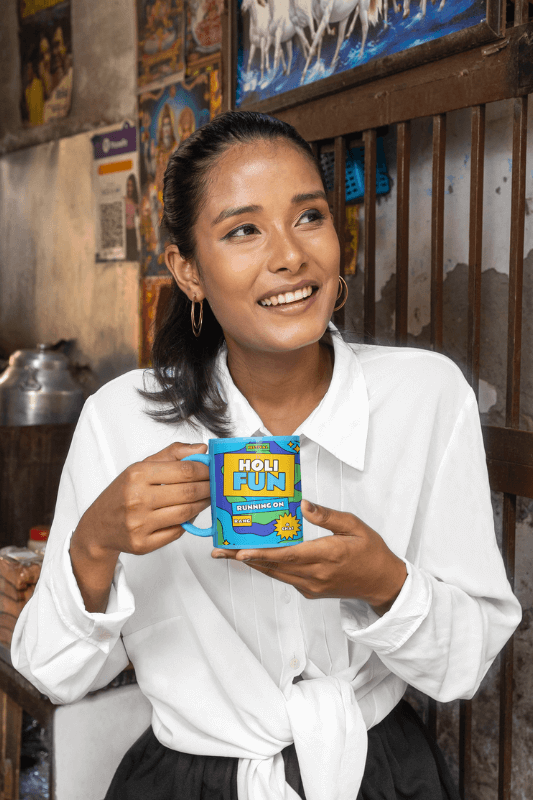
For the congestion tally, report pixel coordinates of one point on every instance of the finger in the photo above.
(174, 515)
(296, 563)
(167, 472)
(340, 522)
(176, 494)
(176, 451)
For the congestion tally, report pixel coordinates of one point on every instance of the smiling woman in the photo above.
(250, 226)
(273, 675)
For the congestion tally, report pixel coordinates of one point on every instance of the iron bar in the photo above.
(477, 161)
(437, 229)
(403, 158)
(369, 139)
(512, 417)
(516, 261)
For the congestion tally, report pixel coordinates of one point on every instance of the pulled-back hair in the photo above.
(184, 365)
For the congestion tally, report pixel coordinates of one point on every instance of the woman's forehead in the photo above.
(258, 167)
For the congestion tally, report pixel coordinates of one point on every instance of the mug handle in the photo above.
(188, 526)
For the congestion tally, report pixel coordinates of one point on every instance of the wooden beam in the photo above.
(488, 73)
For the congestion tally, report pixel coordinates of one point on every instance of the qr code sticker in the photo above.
(112, 225)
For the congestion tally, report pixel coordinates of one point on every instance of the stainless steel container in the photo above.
(38, 389)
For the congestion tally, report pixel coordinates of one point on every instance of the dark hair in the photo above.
(133, 179)
(185, 366)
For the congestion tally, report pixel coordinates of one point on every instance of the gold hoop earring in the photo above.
(343, 289)
(197, 326)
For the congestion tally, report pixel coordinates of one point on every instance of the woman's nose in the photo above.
(287, 253)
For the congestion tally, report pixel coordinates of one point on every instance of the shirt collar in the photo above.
(339, 423)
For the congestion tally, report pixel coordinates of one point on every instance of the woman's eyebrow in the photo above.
(234, 212)
(306, 196)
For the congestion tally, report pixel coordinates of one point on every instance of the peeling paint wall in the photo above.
(494, 300)
(52, 288)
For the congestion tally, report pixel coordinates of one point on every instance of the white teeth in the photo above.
(288, 297)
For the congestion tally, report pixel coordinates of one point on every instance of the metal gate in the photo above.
(471, 79)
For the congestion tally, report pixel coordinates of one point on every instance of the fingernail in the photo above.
(246, 558)
(220, 555)
(311, 506)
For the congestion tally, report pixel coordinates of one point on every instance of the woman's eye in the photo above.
(311, 215)
(241, 232)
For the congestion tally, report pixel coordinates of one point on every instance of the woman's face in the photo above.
(267, 253)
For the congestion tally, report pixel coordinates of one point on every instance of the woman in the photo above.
(131, 205)
(265, 670)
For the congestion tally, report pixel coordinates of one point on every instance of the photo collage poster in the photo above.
(179, 90)
(46, 60)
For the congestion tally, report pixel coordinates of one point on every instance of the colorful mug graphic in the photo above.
(255, 492)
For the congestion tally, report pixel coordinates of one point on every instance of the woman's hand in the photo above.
(355, 562)
(140, 511)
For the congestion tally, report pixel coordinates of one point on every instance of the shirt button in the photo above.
(286, 597)
(294, 663)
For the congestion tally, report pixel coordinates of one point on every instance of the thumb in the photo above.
(340, 522)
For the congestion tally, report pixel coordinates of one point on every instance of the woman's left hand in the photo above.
(354, 562)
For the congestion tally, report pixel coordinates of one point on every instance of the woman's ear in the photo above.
(184, 272)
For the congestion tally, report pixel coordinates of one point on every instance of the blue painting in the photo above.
(285, 44)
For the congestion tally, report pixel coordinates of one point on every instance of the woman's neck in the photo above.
(283, 388)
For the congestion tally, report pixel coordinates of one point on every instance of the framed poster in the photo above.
(204, 28)
(154, 296)
(289, 51)
(160, 39)
(167, 116)
(46, 60)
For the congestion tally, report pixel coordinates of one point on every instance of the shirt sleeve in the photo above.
(61, 648)
(456, 609)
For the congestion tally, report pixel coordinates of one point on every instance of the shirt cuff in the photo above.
(386, 634)
(102, 630)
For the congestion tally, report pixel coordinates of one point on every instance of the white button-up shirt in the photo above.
(216, 644)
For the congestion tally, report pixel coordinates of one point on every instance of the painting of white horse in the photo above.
(286, 44)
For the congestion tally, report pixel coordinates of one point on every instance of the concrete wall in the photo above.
(52, 288)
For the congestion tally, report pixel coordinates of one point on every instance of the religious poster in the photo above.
(46, 60)
(155, 295)
(351, 239)
(117, 195)
(204, 28)
(167, 116)
(161, 36)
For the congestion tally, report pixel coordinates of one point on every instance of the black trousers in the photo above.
(403, 763)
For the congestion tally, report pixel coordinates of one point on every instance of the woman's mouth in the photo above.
(289, 297)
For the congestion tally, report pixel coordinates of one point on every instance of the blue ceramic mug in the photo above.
(256, 492)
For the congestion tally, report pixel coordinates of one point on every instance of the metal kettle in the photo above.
(38, 389)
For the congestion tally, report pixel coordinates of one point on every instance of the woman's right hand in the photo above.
(140, 511)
